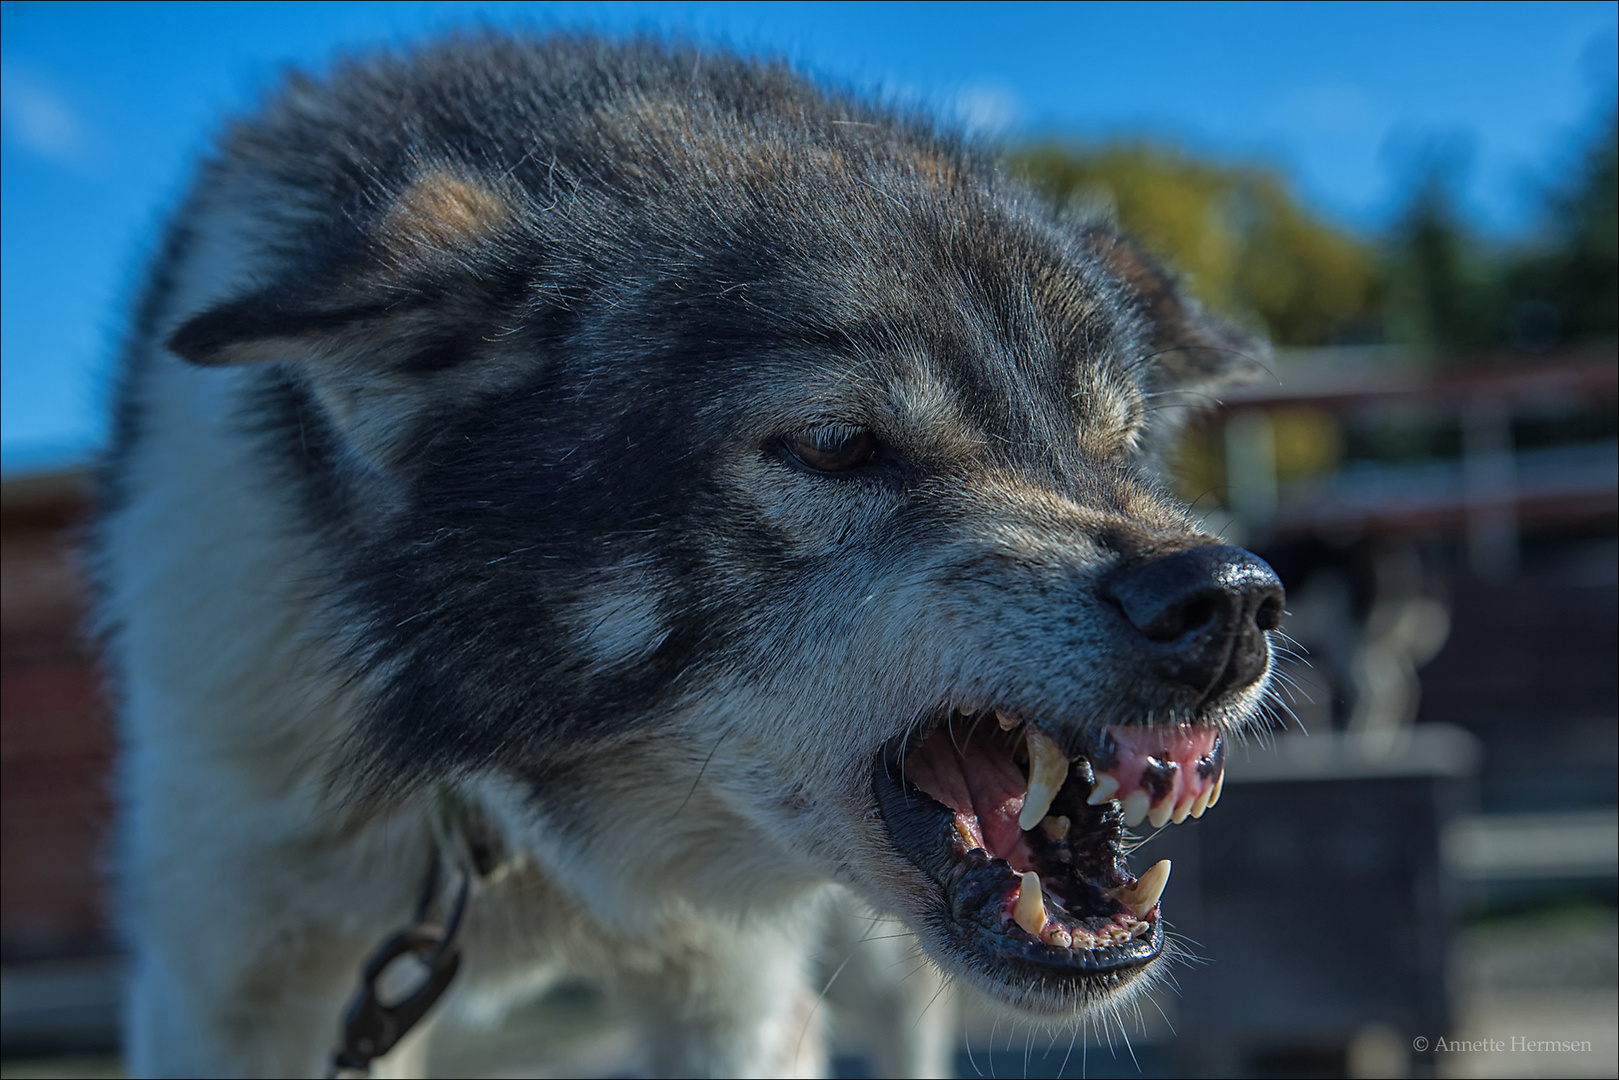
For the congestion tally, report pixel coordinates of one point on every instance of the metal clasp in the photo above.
(371, 1028)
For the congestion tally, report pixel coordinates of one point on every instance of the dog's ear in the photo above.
(374, 317)
(356, 285)
(1193, 351)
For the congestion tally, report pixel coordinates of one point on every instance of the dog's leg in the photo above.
(893, 1001)
(728, 999)
(231, 1023)
(248, 925)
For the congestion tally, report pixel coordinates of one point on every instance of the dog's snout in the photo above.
(1203, 613)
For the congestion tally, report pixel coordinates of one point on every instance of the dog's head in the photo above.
(763, 485)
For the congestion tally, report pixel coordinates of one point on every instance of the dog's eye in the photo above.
(834, 449)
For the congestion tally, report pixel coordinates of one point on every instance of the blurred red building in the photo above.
(56, 743)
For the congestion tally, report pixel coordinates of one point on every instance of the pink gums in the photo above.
(1180, 763)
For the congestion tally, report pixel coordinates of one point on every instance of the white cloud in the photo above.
(38, 118)
(987, 108)
(1329, 109)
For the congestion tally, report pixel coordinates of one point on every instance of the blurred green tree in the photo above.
(1440, 284)
(1245, 245)
(1251, 252)
(1445, 287)
(1564, 286)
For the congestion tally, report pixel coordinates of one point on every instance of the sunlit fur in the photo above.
(449, 452)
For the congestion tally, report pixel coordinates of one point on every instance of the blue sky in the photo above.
(104, 105)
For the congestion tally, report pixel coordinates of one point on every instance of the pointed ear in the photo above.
(273, 324)
(379, 319)
(350, 292)
(1193, 350)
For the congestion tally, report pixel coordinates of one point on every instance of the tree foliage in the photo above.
(1251, 252)
(1447, 288)
(1246, 247)
(1570, 277)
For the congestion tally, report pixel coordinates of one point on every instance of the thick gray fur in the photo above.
(454, 449)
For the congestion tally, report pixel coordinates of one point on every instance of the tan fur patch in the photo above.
(441, 211)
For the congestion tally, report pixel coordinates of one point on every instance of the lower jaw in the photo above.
(976, 899)
(970, 931)
(1027, 977)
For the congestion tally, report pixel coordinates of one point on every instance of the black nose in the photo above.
(1203, 613)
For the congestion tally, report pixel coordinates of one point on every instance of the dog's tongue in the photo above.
(973, 773)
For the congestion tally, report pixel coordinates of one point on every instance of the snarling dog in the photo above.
(715, 487)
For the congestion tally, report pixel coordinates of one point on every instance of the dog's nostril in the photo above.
(1177, 620)
(1269, 615)
(1201, 607)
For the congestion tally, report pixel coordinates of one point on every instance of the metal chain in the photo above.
(371, 1028)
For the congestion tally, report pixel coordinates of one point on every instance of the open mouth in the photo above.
(1022, 830)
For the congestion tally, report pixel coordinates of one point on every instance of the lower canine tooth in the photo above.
(1048, 768)
(1143, 896)
(1030, 910)
(1136, 805)
(1107, 786)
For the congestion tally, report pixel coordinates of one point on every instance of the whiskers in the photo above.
(1128, 1016)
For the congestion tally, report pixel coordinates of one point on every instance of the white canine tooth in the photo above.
(1107, 786)
(1201, 803)
(1136, 805)
(1143, 896)
(1030, 910)
(1160, 812)
(1048, 768)
(1006, 720)
(1219, 786)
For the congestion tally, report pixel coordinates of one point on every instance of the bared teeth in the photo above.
(1160, 812)
(1029, 911)
(1136, 805)
(1183, 810)
(1143, 896)
(1057, 936)
(1056, 827)
(1006, 720)
(1048, 768)
(1174, 808)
